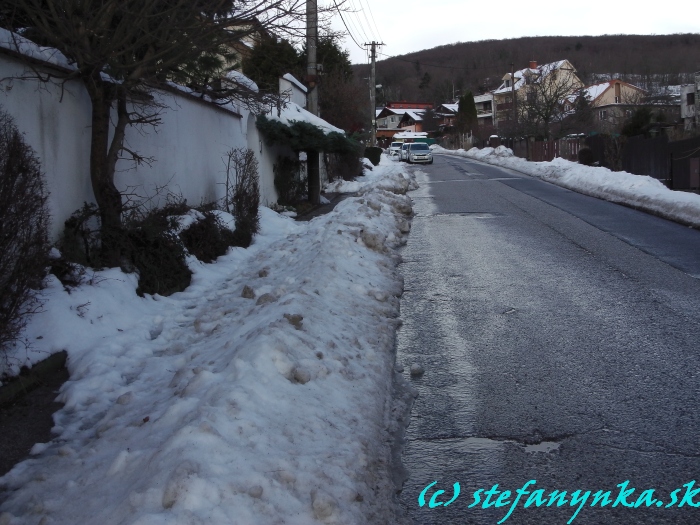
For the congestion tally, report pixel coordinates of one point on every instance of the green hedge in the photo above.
(302, 136)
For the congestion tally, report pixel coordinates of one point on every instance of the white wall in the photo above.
(188, 146)
(289, 88)
(59, 132)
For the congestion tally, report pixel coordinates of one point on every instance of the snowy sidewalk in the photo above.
(637, 191)
(219, 406)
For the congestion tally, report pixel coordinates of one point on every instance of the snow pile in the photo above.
(637, 191)
(259, 395)
(388, 175)
(292, 112)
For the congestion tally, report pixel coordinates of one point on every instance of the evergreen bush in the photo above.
(585, 156)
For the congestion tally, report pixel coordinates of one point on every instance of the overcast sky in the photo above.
(412, 25)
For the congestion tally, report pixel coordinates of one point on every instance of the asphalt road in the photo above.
(560, 337)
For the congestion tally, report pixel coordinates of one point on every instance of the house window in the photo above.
(567, 108)
(628, 113)
(507, 83)
(617, 100)
(690, 99)
(531, 97)
(603, 115)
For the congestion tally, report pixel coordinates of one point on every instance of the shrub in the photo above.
(345, 166)
(24, 220)
(207, 238)
(585, 156)
(149, 246)
(246, 196)
(373, 154)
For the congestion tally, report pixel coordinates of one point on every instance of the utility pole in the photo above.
(512, 84)
(313, 164)
(373, 92)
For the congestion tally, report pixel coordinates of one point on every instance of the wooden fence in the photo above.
(546, 150)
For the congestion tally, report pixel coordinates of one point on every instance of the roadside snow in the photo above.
(638, 191)
(260, 395)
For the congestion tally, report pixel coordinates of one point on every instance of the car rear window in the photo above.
(396, 144)
(421, 147)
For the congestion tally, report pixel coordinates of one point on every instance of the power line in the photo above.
(358, 21)
(373, 20)
(368, 24)
(346, 26)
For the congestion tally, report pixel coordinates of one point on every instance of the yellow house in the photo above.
(613, 101)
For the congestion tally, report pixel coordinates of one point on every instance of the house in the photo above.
(690, 104)
(484, 109)
(245, 35)
(447, 113)
(613, 101)
(390, 117)
(547, 79)
(412, 121)
(403, 104)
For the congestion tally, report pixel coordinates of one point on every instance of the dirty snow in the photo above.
(260, 395)
(638, 191)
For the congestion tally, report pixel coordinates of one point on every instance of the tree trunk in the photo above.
(108, 198)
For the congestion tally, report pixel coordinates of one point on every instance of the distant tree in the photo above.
(579, 115)
(639, 123)
(425, 81)
(334, 59)
(430, 120)
(466, 119)
(541, 102)
(270, 59)
(343, 102)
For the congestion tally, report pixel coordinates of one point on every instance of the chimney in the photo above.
(533, 64)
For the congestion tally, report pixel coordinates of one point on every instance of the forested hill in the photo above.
(432, 74)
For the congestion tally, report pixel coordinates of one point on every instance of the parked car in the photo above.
(395, 148)
(403, 153)
(419, 152)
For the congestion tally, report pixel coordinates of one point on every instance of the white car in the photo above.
(403, 152)
(395, 148)
(419, 152)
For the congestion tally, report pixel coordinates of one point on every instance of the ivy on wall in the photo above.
(302, 136)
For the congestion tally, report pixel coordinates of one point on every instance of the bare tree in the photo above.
(121, 49)
(541, 99)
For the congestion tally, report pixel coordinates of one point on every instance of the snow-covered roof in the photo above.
(540, 72)
(411, 135)
(25, 47)
(295, 113)
(450, 107)
(243, 80)
(486, 97)
(291, 78)
(415, 115)
(595, 91)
